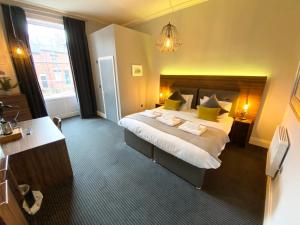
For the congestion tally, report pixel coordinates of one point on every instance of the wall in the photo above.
(5, 60)
(132, 47)
(234, 37)
(283, 197)
(128, 47)
(92, 26)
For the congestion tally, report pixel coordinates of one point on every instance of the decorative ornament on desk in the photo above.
(5, 84)
(169, 39)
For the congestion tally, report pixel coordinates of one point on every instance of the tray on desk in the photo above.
(16, 135)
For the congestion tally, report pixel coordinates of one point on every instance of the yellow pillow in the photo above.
(172, 104)
(205, 113)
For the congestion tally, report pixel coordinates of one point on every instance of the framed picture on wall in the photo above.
(137, 70)
(295, 98)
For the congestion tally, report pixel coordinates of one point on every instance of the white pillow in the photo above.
(225, 105)
(188, 105)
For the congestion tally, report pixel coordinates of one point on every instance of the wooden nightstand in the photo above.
(240, 131)
(158, 105)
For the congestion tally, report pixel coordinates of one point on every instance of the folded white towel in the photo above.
(170, 121)
(167, 116)
(150, 113)
(193, 128)
(193, 125)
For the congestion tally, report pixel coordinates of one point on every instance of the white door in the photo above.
(109, 86)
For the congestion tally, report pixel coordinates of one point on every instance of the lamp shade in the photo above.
(19, 49)
(169, 39)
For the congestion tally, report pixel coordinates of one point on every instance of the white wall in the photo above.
(284, 198)
(128, 47)
(132, 47)
(234, 37)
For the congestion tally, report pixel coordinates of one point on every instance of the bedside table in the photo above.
(158, 105)
(240, 131)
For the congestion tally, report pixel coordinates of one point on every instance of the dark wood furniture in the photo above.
(10, 197)
(20, 101)
(40, 159)
(241, 131)
(250, 87)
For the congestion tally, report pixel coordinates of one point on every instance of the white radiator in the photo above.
(277, 151)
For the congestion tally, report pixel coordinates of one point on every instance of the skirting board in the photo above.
(101, 114)
(260, 142)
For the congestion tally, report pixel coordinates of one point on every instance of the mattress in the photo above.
(174, 145)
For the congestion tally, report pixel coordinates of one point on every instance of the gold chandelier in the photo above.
(168, 40)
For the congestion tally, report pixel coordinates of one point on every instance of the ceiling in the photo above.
(124, 12)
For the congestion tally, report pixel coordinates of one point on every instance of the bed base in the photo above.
(188, 172)
(138, 144)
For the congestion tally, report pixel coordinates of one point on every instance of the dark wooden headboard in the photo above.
(250, 87)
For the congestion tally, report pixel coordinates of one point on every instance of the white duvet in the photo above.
(174, 145)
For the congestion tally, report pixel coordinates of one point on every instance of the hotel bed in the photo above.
(170, 149)
(175, 145)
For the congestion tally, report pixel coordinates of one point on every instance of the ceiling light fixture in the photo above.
(19, 49)
(169, 39)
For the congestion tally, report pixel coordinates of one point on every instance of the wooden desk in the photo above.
(40, 159)
(10, 197)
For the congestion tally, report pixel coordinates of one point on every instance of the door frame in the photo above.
(116, 83)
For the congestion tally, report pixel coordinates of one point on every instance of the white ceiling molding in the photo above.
(48, 11)
(126, 12)
(163, 12)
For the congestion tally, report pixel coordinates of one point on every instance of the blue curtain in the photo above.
(81, 66)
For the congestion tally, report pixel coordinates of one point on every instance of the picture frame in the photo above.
(295, 98)
(137, 70)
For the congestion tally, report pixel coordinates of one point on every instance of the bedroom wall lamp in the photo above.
(245, 108)
(245, 111)
(164, 94)
(19, 49)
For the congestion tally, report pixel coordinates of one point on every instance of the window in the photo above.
(53, 57)
(44, 80)
(51, 60)
(67, 77)
(57, 75)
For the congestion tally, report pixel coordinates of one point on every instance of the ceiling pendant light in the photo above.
(169, 39)
(19, 49)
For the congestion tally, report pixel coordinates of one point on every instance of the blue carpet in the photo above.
(115, 185)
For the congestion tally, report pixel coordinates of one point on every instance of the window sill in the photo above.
(54, 98)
